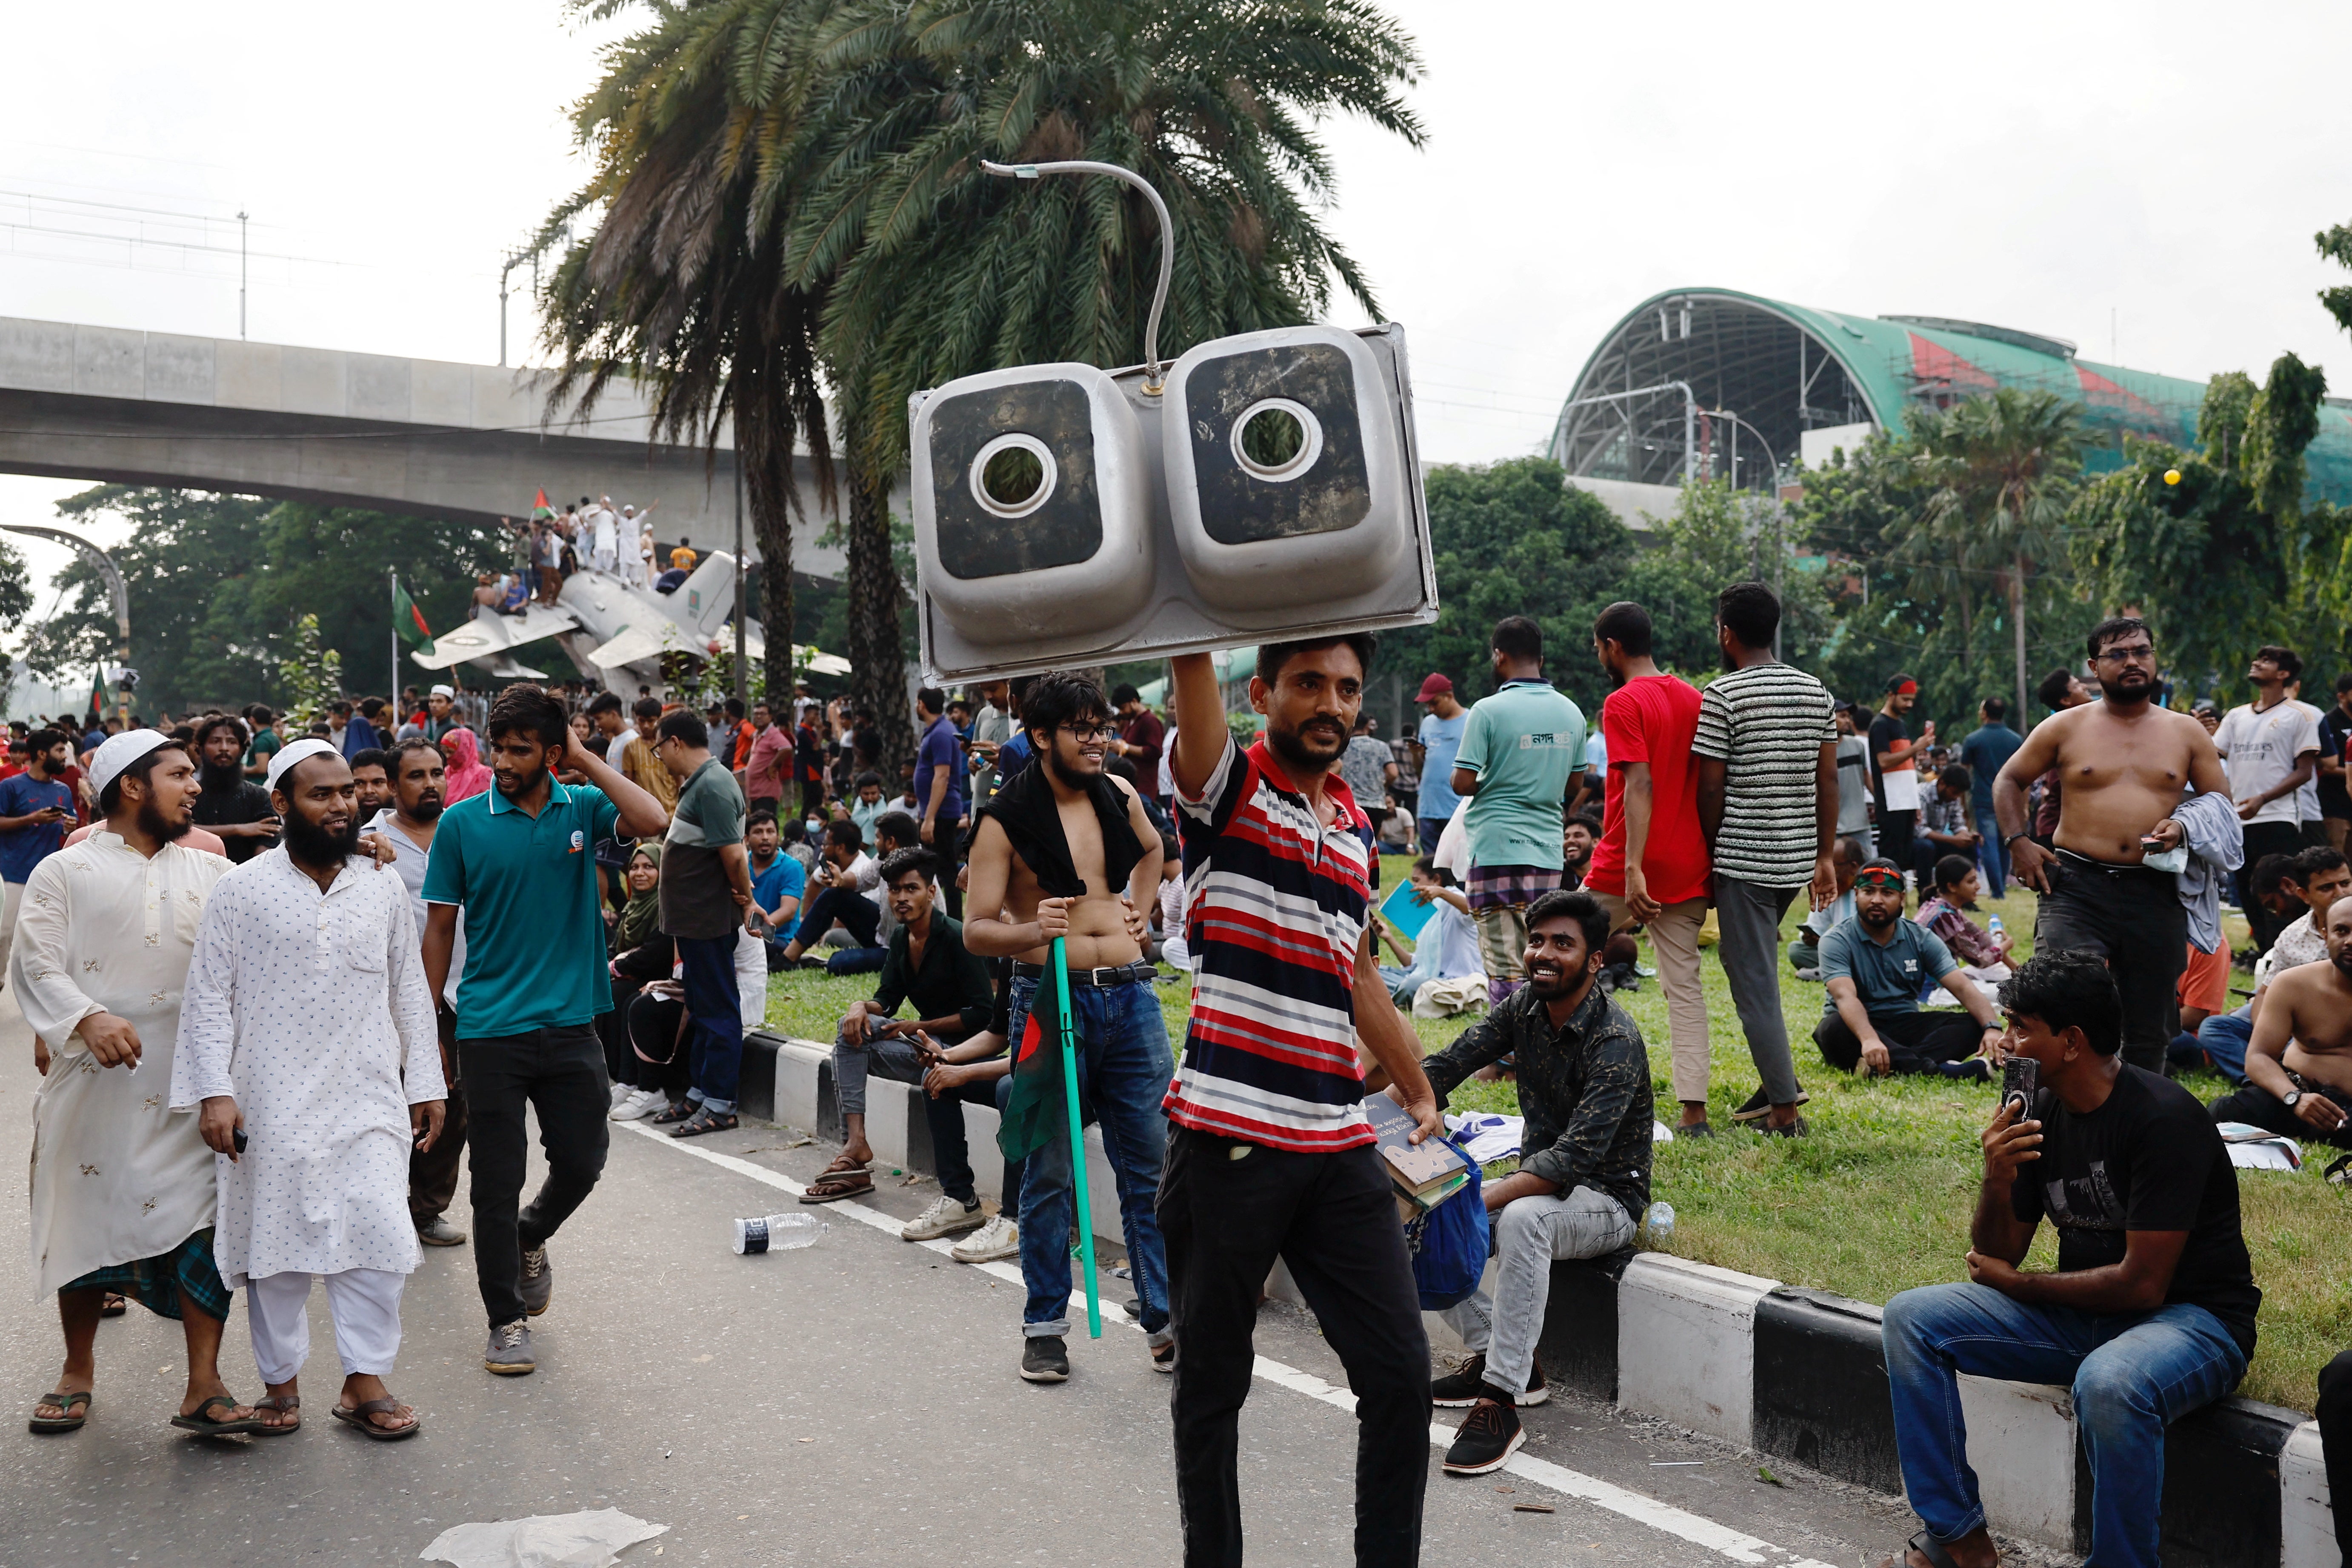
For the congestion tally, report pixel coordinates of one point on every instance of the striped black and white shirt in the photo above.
(1768, 724)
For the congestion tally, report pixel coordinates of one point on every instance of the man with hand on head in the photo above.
(519, 860)
(706, 903)
(313, 928)
(122, 1185)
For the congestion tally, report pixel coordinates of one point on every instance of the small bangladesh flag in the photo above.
(1034, 1112)
(408, 621)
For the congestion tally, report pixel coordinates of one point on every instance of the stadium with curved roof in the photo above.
(1721, 383)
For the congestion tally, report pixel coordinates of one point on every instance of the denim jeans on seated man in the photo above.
(1124, 1068)
(2224, 1038)
(2132, 1374)
(1531, 1233)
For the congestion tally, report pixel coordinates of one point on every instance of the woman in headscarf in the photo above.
(641, 1033)
(468, 776)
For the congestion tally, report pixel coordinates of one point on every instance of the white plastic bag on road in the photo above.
(590, 1540)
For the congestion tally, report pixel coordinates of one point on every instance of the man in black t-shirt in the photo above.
(2150, 1312)
(1894, 769)
(231, 805)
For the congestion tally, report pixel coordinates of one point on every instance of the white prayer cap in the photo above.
(300, 751)
(441, 692)
(117, 753)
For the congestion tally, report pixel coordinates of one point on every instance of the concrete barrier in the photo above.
(2021, 1447)
(2216, 1461)
(1820, 1386)
(1685, 1343)
(2307, 1521)
(1578, 1346)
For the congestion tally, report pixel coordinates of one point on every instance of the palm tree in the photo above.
(683, 283)
(933, 269)
(2006, 468)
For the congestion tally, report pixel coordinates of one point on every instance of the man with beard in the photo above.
(1894, 768)
(122, 1185)
(1067, 851)
(372, 778)
(1271, 1155)
(518, 861)
(1584, 1088)
(232, 806)
(1875, 964)
(2299, 1064)
(2270, 748)
(313, 930)
(2126, 761)
(407, 825)
(35, 806)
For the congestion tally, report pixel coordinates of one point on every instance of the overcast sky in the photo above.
(2049, 167)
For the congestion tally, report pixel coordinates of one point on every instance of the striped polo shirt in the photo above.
(1274, 912)
(1766, 724)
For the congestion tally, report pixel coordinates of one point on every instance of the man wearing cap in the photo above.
(1434, 749)
(440, 713)
(313, 930)
(1893, 769)
(122, 1185)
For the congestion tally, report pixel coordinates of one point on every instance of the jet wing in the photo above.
(494, 633)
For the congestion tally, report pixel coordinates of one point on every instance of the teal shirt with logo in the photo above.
(1524, 743)
(534, 925)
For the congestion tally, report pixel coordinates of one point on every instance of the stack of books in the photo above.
(1425, 1174)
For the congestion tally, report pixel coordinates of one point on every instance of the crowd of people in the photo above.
(587, 894)
(587, 535)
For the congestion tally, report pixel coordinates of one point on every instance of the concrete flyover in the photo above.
(467, 442)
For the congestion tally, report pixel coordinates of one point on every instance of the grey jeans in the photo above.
(890, 1057)
(1747, 918)
(1529, 1234)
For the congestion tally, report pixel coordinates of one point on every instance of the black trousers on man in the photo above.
(2265, 838)
(2258, 1107)
(2336, 1442)
(558, 1072)
(857, 914)
(1895, 831)
(2131, 917)
(1333, 1219)
(433, 1172)
(1915, 1042)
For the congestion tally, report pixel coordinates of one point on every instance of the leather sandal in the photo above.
(1927, 1546)
(285, 1405)
(72, 1421)
(357, 1415)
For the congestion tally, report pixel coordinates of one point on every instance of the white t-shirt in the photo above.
(2261, 749)
(618, 744)
(1167, 756)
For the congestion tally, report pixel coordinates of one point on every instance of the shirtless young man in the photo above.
(1065, 850)
(2299, 1066)
(2125, 764)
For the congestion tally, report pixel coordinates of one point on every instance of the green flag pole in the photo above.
(1078, 1139)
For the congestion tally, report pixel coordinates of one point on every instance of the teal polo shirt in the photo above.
(534, 925)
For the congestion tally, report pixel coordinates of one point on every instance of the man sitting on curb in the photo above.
(2151, 1313)
(1875, 964)
(1584, 1087)
(927, 964)
(2299, 1067)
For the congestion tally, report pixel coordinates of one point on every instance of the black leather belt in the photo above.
(1135, 973)
(2110, 867)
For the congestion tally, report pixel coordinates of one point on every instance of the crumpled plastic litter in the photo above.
(590, 1539)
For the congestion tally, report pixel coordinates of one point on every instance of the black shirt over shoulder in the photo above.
(247, 801)
(2148, 1159)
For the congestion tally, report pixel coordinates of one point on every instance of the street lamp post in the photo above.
(112, 575)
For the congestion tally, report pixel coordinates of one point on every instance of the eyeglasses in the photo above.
(2137, 651)
(1085, 732)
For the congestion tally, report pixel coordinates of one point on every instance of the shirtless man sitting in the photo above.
(1066, 851)
(2299, 1065)
(2125, 764)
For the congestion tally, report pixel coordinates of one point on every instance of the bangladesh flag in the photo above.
(408, 621)
(98, 693)
(1034, 1112)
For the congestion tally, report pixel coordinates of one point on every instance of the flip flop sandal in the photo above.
(284, 1404)
(703, 1121)
(72, 1421)
(1927, 1546)
(677, 1112)
(199, 1422)
(357, 1415)
(836, 1185)
(113, 1307)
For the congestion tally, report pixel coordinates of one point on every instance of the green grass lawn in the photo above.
(1877, 1199)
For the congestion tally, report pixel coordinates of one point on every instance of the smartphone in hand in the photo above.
(2021, 1080)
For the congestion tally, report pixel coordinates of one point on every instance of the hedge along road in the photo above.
(853, 1403)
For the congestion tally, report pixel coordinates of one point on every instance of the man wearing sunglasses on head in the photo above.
(2113, 885)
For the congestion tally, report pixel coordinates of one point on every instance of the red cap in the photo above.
(1435, 687)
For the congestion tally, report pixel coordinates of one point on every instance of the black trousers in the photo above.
(1915, 1042)
(433, 1172)
(2131, 917)
(1333, 1219)
(2335, 1441)
(1895, 830)
(558, 1072)
(951, 1148)
(2265, 838)
(858, 914)
(2259, 1107)
(659, 1053)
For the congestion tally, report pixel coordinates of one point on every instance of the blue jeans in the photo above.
(1124, 1068)
(1992, 855)
(2133, 1374)
(2224, 1038)
(716, 1006)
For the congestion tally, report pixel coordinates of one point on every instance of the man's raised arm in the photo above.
(1201, 732)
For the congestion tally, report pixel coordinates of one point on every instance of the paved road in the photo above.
(856, 1403)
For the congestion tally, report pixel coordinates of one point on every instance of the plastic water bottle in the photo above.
(1660, 1220)
(1992, 923)
(778, 1233)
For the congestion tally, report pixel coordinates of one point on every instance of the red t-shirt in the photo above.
(1653, 719)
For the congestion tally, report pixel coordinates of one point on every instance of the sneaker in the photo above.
(620, 1091)
(1000, 1237)
(1485, 1440)
(1757, 1107)
(641, 1102)
(946, 1216)
(1045, 1359)
(1796, 1128)
(438, 1232)
(1163, 1356)
(538, 1280)
(1467, 1384)
(508, 1351)
(1811, 974)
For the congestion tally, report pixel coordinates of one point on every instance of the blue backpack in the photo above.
(1449, 1243)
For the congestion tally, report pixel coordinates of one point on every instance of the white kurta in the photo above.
(117, 1175)
(310, 1010)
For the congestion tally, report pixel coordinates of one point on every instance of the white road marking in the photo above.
(1665, 1518)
